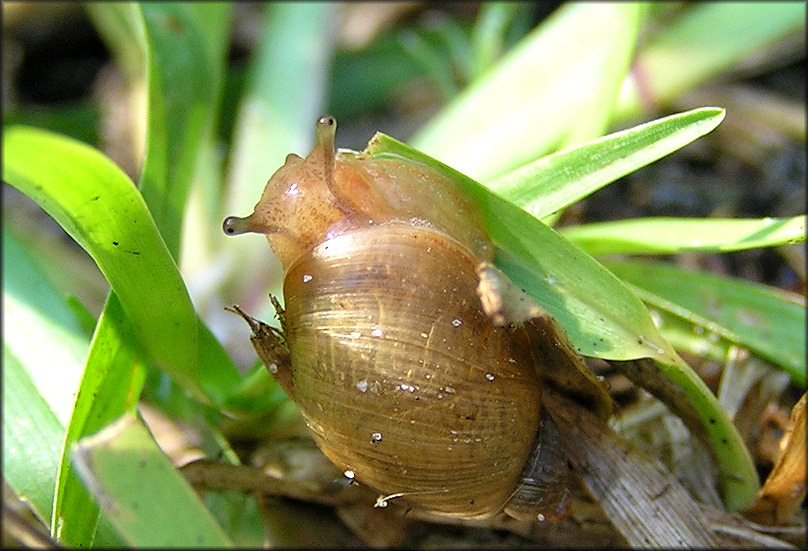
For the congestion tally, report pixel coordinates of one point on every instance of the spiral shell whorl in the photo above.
(408, 383)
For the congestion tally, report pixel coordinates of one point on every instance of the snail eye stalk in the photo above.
(233, 225)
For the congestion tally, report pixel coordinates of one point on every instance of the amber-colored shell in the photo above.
(402, 378)
(413, 359)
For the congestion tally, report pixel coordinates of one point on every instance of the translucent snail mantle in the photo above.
(405, 365)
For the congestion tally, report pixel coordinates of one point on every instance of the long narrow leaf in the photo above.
(144, 496)
(674, 235)
(558, 180)
(120, 24)
(708, 39)
(529, 104)
(40, 330)
(111, 386)
(488, 34)
(185, 49)
(606, 76)
(764, 319)
(102, 210)
(43, 355)
(32, 438)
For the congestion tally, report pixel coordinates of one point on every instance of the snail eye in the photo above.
(326, 120)
(233, 225)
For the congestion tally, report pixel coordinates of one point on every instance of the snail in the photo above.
(416, 364)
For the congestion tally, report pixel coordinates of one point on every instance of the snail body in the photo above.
(406, 383)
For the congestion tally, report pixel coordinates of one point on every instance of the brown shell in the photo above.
(414, 360)
(402, 378)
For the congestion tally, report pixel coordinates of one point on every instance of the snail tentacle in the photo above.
(233, 225)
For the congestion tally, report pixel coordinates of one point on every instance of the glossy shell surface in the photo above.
(402, 378)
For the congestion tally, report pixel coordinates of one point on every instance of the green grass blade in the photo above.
(708, 39)
(111, 385)
(556, 181)
(41, 330)
(687, 336)
(186, 46)
(44, 347)
(489, 32)
(606, 76)
(144, 496)
(120, 24)
(32, 438)
(530, 102)
(40, 386)
(688, 396)
(766, 320)
(102, 210)
(674, 235)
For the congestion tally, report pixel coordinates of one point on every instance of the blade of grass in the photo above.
(766, 320)
(705, 41)
(44, 347)
(558, 180)
(181, 49)
(41, 330)
(686, 336)
(186, 46)
(528, 104)
(121, 26)
(488, 34)
(32, 438)
(594, 114)
(145, 498)
(37, 385)
(101, 209)
(674, 235)
(111, 385)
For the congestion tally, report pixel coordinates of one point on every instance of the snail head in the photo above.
(298, 204)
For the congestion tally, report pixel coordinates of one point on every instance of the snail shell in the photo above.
(404, 380)
(409, 386)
